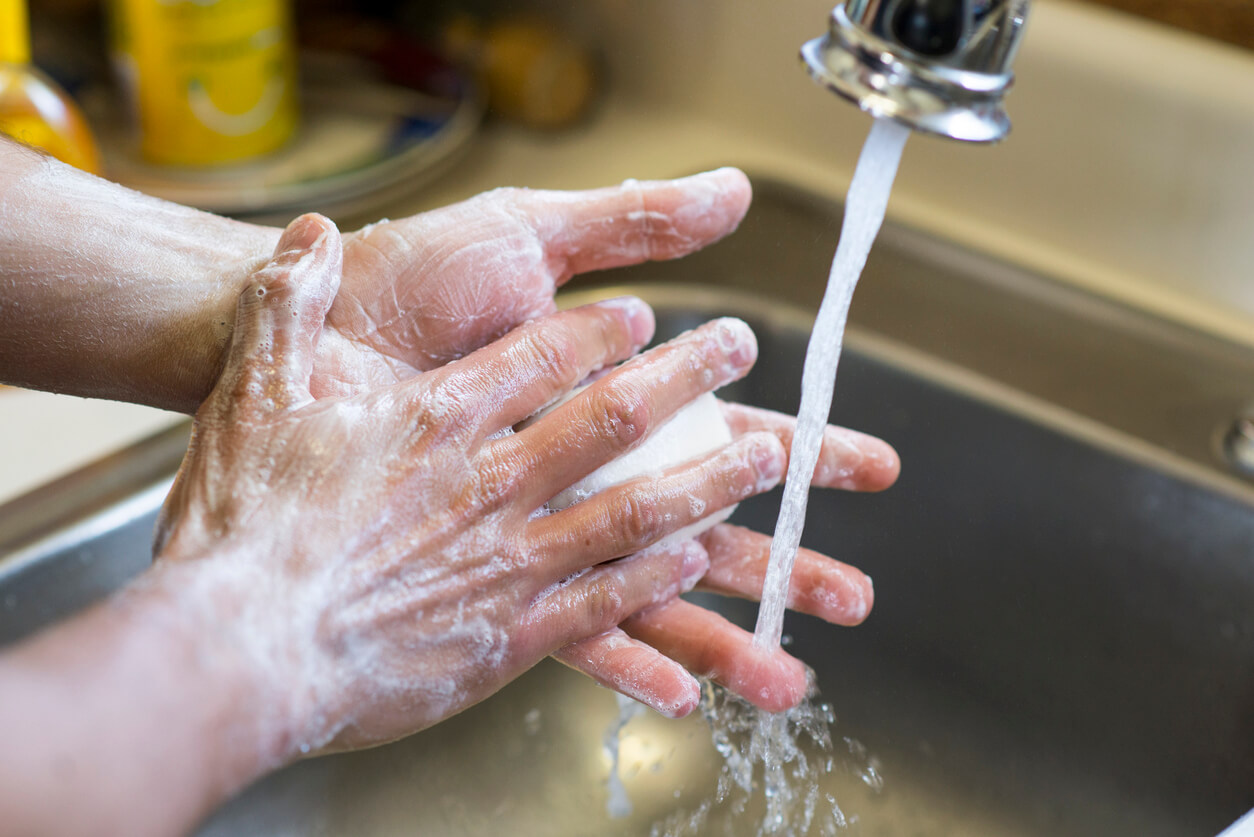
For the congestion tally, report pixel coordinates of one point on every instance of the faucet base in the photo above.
(886, 81)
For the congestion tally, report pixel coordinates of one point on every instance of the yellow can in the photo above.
(210, 81)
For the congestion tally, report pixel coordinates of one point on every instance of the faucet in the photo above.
(939, 66)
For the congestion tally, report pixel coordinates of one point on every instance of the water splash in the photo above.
(779, 762)
(617, 802)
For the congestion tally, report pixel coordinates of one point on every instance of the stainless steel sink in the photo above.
(1063, 635)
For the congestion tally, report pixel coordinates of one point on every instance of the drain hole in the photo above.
(1239, 445)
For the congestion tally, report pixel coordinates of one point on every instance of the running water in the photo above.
(795, 748)
(864, 213)
(794, 794)
(618, 803)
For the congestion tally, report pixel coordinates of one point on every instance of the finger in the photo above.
(819, 586)
(708, 645)
(635, 514)
(636, 670)
(595, 600)
(635, 221)
(279, 320)
(622, 408)
(509, 380)
(848, 459)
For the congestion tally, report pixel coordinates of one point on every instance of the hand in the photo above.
(433, 287)
(423, 290)
(163, 280)
(380, 551)
(672, 639)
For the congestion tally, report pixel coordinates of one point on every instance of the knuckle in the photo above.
(641, 521)
(555, 350)
(495, 486)
(451, 401)
(510, 204)
(603, 602)
(432, 421)
(621, 411)
(251, 383)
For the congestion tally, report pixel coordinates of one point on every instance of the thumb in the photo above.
(279, 320)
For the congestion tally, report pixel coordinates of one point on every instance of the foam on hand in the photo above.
(697, 428)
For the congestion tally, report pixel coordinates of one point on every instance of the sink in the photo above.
(1063, 636)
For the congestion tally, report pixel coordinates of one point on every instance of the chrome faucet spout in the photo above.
(940, 66)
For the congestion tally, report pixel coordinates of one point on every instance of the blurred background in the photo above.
(263, 108)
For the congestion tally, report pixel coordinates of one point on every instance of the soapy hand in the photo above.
(424, 290)
(378, 554)
(677, 637)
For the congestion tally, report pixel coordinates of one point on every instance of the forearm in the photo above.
(138, 717)
(110, 293)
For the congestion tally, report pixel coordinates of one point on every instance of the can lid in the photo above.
(14, 32)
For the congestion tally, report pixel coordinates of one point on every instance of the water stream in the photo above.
(864, 214)
(795, 749)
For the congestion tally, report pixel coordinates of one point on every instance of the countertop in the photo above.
(1226, 20)
(44, 435)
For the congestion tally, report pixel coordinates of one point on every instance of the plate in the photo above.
(360, 137)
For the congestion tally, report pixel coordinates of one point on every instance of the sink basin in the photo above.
(1063, 636)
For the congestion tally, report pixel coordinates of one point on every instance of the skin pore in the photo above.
(350, 552)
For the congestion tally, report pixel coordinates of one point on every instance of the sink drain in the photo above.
(1239, 445)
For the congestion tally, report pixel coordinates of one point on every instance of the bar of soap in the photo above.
(697, 428)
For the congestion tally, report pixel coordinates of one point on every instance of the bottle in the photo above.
(209, 81)
(533, 72)
(33, 109)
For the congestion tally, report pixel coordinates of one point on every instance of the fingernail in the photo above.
(639, 317)
(684, 704)
(788, 683)
(768, 458)
(696, 563)
(721, 173)
(737, 340)
(842, 472)
(303, 233)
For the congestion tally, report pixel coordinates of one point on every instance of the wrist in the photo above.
(147, 711)
(221, 628)
(180, 367)
(115, 294)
